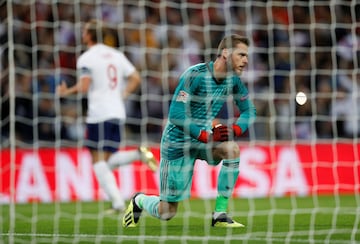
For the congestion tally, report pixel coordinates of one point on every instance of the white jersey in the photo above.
(108, 69)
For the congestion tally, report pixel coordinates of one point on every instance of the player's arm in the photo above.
(133, 84)
(247, 112)
(179, 116)
(81, 86)
(179, 113)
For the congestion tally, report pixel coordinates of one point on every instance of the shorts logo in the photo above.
(182, 97)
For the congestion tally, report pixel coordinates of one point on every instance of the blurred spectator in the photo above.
(24, 110)
(346, 108)
(72, 127)
(324, 126)
(46, 112)
(5, 111)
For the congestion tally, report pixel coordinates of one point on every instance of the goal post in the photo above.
(299, 176)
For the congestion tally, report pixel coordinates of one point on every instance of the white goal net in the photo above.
(299, 176)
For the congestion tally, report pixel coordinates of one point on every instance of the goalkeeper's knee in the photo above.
(167, 210)
(167, 215)
(228, 150)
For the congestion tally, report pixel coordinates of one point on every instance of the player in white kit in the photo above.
(107, 77)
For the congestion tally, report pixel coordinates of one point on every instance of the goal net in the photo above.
(299, 176)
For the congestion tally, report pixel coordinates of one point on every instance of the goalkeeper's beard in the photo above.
(229, 67)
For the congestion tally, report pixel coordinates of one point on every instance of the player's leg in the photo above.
(175, 185)
(142, 153)
(229, 154)
(107, 182)
(102, 144)
(120, 158)
(176, 178)
(150, 203)
(148, 158)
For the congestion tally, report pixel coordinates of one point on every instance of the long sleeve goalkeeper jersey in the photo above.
(197, 101)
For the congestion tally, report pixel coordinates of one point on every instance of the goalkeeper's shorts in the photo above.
(176, 174)
(176, 179)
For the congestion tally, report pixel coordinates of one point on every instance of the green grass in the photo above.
(325, 219)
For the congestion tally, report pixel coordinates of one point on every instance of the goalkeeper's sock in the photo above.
(217, 214)
(149, 203)
(221, 205)
(107, 182)
(228, 175)
(120, 158)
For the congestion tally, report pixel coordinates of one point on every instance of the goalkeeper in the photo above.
(202, 91)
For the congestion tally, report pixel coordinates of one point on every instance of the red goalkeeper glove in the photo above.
(223, 133)
(219, 133)
(237, 130)
(204, 136)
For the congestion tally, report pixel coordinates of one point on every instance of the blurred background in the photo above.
(309, 46)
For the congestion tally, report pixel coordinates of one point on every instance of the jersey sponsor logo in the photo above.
(182, 96)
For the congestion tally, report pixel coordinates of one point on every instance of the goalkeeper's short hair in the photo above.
(231, 41)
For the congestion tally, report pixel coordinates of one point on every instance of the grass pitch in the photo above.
(317, 219)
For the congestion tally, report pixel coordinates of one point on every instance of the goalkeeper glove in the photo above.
(220, 133)
(204, 136)
(237, 130)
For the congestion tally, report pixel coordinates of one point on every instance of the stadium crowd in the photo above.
(296, 46)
